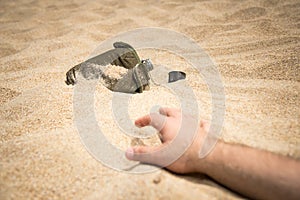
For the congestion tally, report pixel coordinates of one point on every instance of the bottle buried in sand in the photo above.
(119, 69)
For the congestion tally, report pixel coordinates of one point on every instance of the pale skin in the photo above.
(251, 172)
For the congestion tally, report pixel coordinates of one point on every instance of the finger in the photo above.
(143, 121)
(155, 120)
(169, 112)
(145, 154)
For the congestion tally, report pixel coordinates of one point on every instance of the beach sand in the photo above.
(255, 44)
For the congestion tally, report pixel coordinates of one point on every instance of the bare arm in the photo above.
(254, 173)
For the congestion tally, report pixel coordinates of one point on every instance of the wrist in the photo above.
(208, 163)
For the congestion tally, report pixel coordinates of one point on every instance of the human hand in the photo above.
(181, 138)
(249, 171)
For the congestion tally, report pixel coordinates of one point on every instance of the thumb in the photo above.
(144, 154)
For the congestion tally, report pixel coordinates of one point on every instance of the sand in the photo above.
(255, 45)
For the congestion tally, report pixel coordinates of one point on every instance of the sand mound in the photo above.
(254, 43)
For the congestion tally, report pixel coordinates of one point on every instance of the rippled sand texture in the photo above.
(255, 44)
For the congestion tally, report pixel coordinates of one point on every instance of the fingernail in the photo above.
(129, 153)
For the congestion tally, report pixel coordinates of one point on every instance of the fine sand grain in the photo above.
(255, 44)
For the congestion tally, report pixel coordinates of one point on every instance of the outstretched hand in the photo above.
(255, 173)
(172, 125)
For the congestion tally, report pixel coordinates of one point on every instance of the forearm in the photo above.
(254, 173)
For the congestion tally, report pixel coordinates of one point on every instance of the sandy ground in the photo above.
(255, 44)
